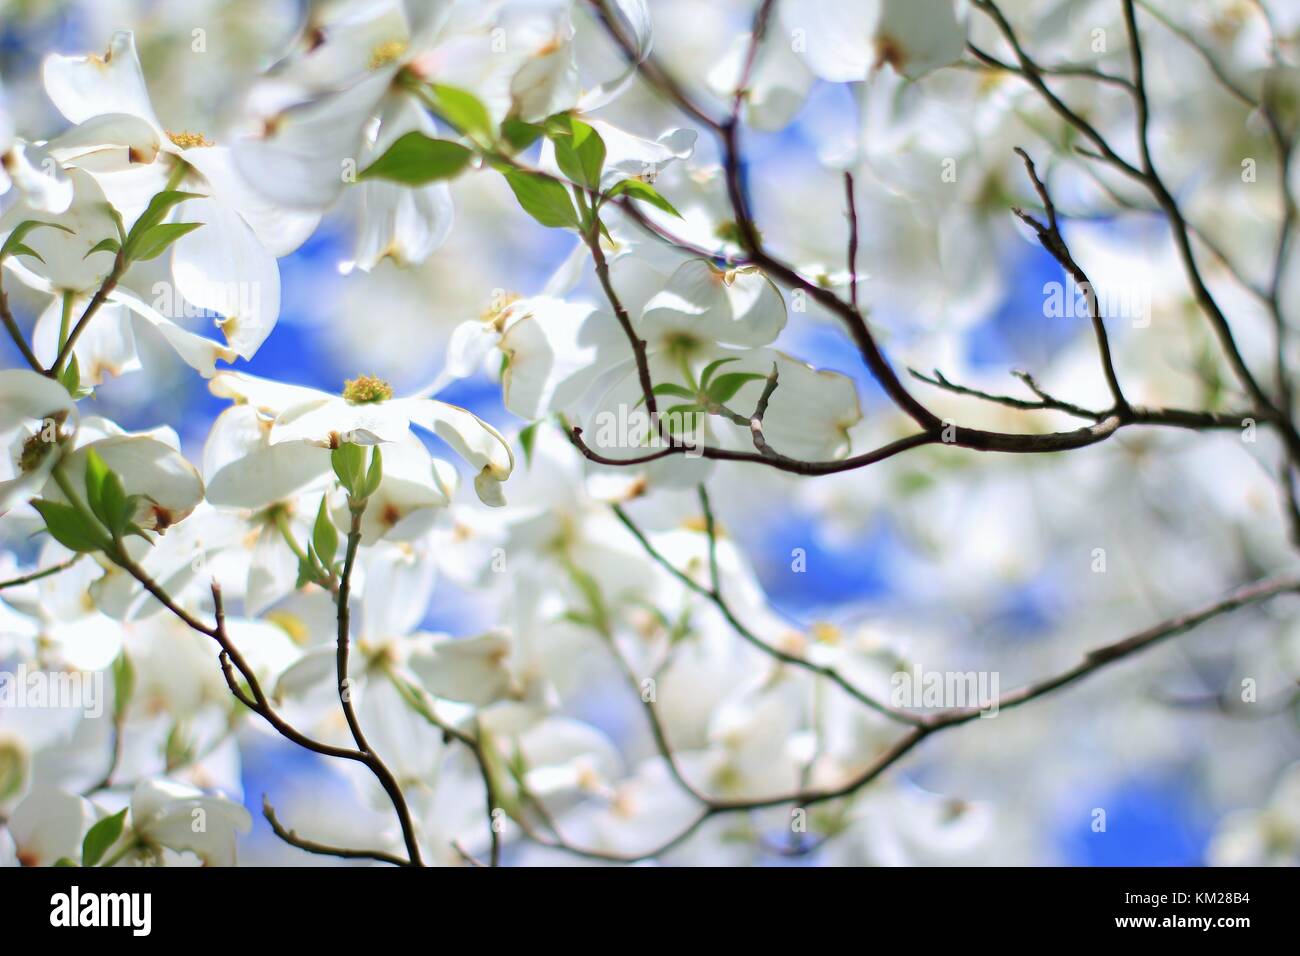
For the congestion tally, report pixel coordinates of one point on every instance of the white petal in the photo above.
(336, 420)
(409, 492)
(29, 396)
(268, 397)
(399, 584)
(636, 17)
(471, 670)
(67, 260)
(166, 813)
(272, 571)
(86, 86)
(105, 348)
(107, 143)
(481, 445)
(279, 228)
(50, 824)
(302, 159)
(401, 223)
(242, 469)
(170, 485)
(556, 351)
(42, 181)
(316, 668)
(778, 84)
(221, 267)
(628, 156)
(705, 303)
(916, 38)
(199, 353)
(809, 414)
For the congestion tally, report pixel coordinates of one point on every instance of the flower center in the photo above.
(365, 389)
(188, 140)
(35, 450)
(13, 768)
(386, 52)
(494, 313)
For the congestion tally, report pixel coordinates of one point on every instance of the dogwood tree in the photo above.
(991, 302)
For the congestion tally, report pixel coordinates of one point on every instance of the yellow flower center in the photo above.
(13, 768)
(825, 632)
(365, 389)
(188, 140)
(386, 52)
(35, 448)
(495, 312)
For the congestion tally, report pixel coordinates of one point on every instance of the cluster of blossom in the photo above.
(278, 586)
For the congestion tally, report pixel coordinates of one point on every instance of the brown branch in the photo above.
(1094, 661)
(1052, 240)
(38, 575)
(713, 594)
(371, 759)
(14, 332)
(321, 849)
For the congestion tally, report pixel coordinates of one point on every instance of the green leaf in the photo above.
(324, 536)
(13, 244)
(598, 612)
(527, 439)
(415, 159)
(155, 241)
(644, 192)
(106, 496)
(24, 250)
(520, 135)
(117, 221)
(580, 154)
(543, 198)
(375, 474)
(307, 571)
(349, 463)
(726, 386)
(713, 367)
(64, 861)
(96, 472)
(123, 673)
(70, 377)
(69, 527)
(461, 110)
(678, 416)
(154, 215)
(118, 508)
(102, 836)
(104, 245)
(667, 388)
(158, 208)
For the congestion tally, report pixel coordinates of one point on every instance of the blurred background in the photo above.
(992, 558)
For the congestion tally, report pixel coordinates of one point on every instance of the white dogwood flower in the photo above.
(228, 266)
(175, 816)
(37, 421)
(367, 413)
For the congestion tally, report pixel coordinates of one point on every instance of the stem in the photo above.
(370, 758)
(65, 321)
(38, 575)
(100, 297)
